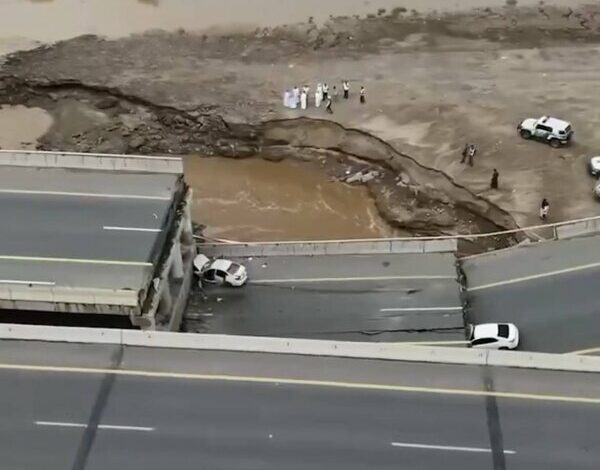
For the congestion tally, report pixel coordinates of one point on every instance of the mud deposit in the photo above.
(20, 127)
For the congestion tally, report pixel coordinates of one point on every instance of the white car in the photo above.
(220, 271)
(597, 190)
(553, 131)
(494, 336)
(595, 166)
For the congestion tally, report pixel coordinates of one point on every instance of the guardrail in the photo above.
(306, 347)
(329, 248)
(560, 230)
(92, 161)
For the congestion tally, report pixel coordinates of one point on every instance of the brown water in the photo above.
(20, 126)
(52, 20)
(257, 200)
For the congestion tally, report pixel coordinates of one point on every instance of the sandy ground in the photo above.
(429, 104)
(433, 83)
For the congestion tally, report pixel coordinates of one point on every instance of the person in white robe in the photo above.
(296, 96)
(303, 99)
(286, 98)
(319, 95)
(306, 89)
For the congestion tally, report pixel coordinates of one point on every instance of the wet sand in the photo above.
(20, 127)
(257, 200)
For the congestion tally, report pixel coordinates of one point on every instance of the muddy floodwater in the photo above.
(20, 126)
(258, 200)
(52, 20)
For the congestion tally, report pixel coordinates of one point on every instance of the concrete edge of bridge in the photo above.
(306, 347)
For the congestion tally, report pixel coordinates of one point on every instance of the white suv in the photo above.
(554, 131)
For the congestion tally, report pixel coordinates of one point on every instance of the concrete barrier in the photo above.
(530, 360)
(577, 229)
(381, 351)
(68, 295)
(328, 248)
(92, 161)
(60, 334)
(305, 347)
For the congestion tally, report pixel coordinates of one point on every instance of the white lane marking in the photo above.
(27, 283)
(535, 276)
(450, 448)
(74, 260)
(61, 424)
(419, 309)
(125, 428)
(346, 279)
(131, 229)
(100, 426)
(33, 192)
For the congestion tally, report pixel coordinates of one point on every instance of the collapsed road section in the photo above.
(372, 290)
(92, 234)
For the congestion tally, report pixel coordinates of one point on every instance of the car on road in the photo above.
(494, 336)
(220, 271)
(553, 131)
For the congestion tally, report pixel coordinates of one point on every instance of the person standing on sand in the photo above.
(346, 87)
(306, 89)
(544, 209)
(472, 153)
(303, 99)
(468, 152)
(293, 101)
(465, 152)
(325, 92)
(328, 106)
(494, 181)
(363, 98)
(335, 93)
(286, 98)
(319, 95)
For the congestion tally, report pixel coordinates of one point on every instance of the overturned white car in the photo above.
(553, 131)
(220, 271)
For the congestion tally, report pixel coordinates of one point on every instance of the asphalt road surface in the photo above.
(391, 297)
(52, 216)
(211, 410)
(549, 290)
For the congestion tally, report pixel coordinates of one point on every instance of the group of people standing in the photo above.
(299, 98)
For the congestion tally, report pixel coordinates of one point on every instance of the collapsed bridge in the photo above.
(95, 234)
